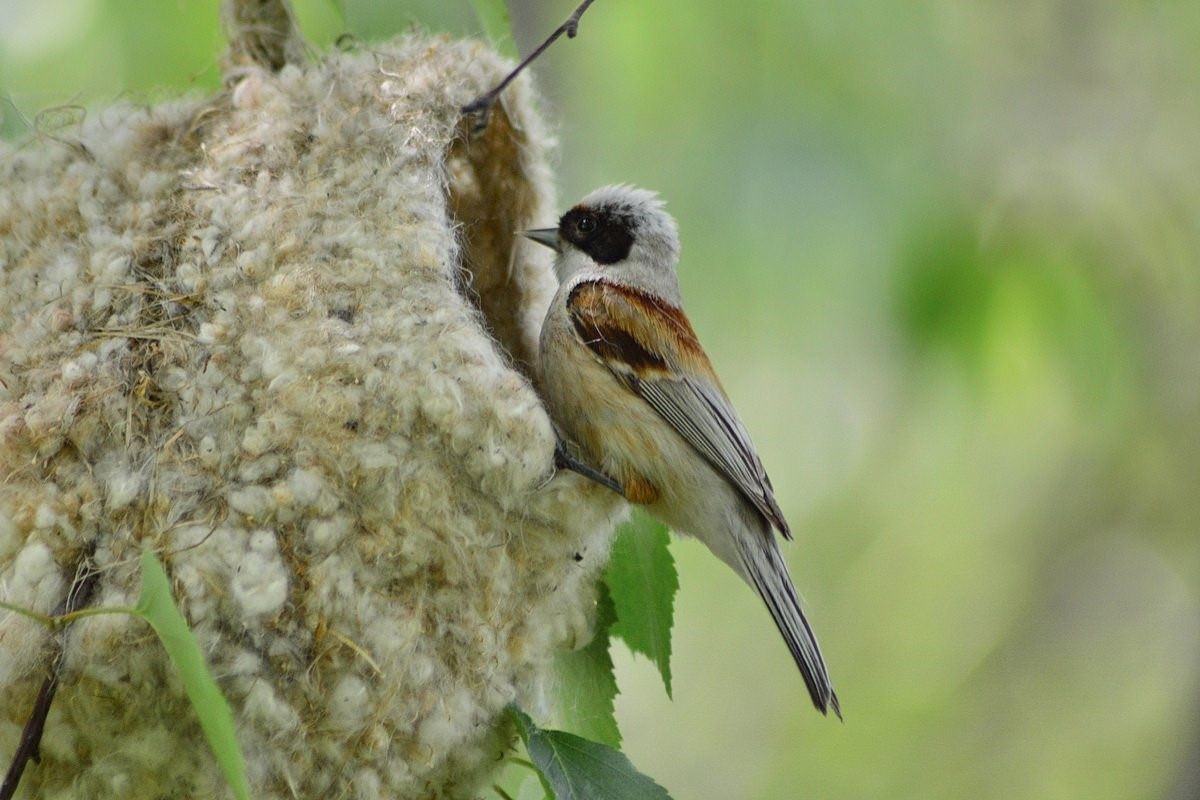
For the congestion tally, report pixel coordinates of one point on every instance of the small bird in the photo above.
(627, 382)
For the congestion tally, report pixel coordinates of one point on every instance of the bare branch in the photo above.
(483, 104)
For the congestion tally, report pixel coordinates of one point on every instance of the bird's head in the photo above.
(621, 231)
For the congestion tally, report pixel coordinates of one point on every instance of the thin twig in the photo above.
(483, 104)
(31, 736)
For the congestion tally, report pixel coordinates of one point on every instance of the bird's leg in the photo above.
(564, 460)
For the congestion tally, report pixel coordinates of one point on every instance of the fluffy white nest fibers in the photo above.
(281, 336)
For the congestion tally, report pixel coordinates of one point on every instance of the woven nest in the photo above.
(283, 337)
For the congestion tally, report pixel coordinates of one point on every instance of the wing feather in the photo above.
(651, 347)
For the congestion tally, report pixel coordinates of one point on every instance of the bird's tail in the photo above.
(765, 570)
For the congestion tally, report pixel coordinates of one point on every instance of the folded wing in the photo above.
(651, 347)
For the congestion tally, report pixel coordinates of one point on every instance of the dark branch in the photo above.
(483, 104)
(28, 748)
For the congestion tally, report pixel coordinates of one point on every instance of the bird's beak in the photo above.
(546, 236)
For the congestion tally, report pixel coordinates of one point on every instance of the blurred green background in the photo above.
(944, 256)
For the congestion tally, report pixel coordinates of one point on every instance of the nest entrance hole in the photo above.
(491, 199)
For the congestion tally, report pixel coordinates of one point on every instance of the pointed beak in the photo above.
(546, 236)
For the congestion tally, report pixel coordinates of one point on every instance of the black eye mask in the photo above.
(609, 239)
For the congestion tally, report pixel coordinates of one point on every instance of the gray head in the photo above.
(620, 232)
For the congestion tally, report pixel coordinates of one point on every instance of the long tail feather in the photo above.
(766, 571)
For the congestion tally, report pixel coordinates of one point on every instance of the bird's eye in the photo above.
(586, 224)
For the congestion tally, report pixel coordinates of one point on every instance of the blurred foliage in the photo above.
(944, 256)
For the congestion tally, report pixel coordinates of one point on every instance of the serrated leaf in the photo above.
(585, 684)
(579, 769)
(156, 605)
(497, 24)
(642, 580)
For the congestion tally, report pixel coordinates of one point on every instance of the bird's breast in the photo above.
(614, 429)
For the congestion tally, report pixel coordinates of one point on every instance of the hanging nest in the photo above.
(283, 337)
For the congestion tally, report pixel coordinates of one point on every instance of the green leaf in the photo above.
(641, 577)
(157, 607)
(579, 769)
(497, 24)
(585, 684)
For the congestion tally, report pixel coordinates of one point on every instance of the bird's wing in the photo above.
(651, 347)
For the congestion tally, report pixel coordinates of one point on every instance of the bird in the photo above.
(634, 395)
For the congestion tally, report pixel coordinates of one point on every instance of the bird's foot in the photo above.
(564, 460)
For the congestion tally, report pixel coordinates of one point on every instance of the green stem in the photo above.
(61, 621)
(45, 619)
(525, 763)
(67, 619)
